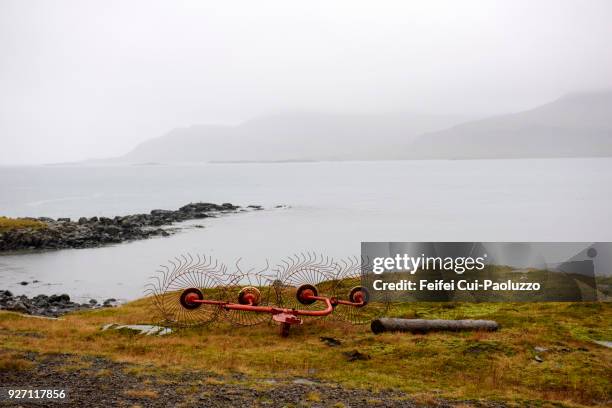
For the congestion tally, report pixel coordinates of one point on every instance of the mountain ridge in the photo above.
(577, 124)
(291, 137)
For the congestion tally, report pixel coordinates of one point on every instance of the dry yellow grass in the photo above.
(7, 224)
(313, 396)
(500, 365)
(144, 394)
(14, 362)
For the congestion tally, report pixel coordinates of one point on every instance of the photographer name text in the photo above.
(462, 284)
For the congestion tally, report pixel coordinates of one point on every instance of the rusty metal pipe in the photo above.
(328, 310)
(349, 303)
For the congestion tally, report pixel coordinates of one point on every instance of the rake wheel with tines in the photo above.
(302, 282)
(251, 288)
(305, 273)
(182, 281)
(356, 304)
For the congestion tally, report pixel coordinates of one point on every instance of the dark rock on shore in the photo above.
(110, 302)
(43, 305)
(94, 231)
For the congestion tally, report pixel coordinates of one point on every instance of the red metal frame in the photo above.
(284, 316)
(330, 302)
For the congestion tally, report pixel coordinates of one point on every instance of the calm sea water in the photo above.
(333, 207)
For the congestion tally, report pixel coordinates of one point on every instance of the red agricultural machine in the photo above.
(195, 291)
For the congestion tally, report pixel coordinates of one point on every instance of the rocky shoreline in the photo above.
(48, 306)
(96, 231)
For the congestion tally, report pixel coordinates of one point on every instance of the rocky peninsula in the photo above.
(96, 231)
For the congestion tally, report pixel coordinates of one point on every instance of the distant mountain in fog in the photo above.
(295, 136)
(576, 125)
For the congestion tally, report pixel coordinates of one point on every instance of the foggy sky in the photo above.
(82, 79)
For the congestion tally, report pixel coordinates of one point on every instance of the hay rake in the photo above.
(196, 291)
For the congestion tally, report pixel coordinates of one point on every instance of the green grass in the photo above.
(9, 224)
(473, 365)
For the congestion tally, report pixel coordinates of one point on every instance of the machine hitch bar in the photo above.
(248, 301)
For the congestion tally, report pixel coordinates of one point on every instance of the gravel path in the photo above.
(99, 382)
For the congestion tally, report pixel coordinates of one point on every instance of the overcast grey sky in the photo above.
(81, 79)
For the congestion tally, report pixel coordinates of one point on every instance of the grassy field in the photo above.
(574, 371)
